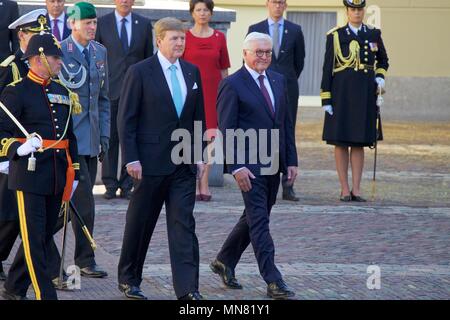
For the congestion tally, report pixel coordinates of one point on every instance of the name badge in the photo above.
(59, 99)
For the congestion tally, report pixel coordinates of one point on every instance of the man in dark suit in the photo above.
(128, 38)
(254, 100)
(9, 11)
(160, 95)
(288, 59)
(57, 19)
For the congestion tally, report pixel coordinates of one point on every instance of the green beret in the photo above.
(81, 11)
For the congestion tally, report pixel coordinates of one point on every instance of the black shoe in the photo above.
(346, 198)
(125, 194)
(357, 198)
(2, 273)
(11, 296)
(226, 273)
(132, 292)
(65, 284)
(109, 194)
(289, 194)
(192, 296)
(93, 272)
(279, 290)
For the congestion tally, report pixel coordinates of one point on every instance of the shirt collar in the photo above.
(355, 30)
(165, 63)
(60, 18)
(255, 75)
(79, 46)
(271, 22)
(119, 18)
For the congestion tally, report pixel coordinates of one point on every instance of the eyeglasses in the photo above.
(278, 3)
(260, 53)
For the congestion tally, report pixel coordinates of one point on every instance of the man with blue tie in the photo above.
(254, 100)
(288, 59)
(160, 95)
(57, 19)
(128, 38)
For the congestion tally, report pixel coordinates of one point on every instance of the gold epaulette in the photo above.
(13, 84)
(7, 61)
(333, 30)
(5, 144)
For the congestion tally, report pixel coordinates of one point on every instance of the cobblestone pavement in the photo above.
(325, 249)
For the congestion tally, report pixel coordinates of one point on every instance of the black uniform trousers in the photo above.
(9, 220)
(293, 95)
(177, 192)
(83, 200)
(111, 161)
(37, 215)
(253, 227)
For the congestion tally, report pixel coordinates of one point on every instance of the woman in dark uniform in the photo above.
(354, 68)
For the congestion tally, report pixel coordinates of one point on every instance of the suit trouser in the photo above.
(293, 95)
(9, 219)
(253, 227)
(111, 160)
(177, 192)
(9, 230)
(37, 215)
(83, 200)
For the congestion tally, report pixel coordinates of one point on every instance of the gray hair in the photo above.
(256, 36)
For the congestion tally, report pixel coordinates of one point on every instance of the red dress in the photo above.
(210, 55)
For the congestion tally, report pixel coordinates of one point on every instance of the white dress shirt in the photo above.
(60, 24)
(166, 64)
(127, 25)
(354, 29)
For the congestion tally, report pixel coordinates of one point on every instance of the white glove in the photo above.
(74, 187)
(380, 81)
(328, 108)
(4, 167)
(31, 145)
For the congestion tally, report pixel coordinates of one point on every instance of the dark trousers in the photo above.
(293, 95)
(9, 230)
(31, 265)
(253, 227)
(177, 192)
(111, 161)
(83, 200)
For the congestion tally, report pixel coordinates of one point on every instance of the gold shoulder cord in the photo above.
(353, 59)
(15, 72)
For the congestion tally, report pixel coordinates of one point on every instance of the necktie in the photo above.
(86, 56)
(124, 36)
(266, 95)
(276, 39)
(176, 90)
(55, 30)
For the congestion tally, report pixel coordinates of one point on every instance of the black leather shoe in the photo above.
(132, 292)
(279, 290)
(109, 194)
(93, 272)
(357, 198)
(192, 296)
(65, 285)
(226, 273)
(289, 194)
(346, 198)
(125, 194)
(11, 296)
(2, 273)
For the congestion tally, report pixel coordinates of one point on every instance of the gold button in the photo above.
(366, 53)
(58, 135)
(365, 71)
(56, 120)
(366, 47)
(57, 127)
(57, 150)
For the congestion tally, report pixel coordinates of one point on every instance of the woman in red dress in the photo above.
(207, 49)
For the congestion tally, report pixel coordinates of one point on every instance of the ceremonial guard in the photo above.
(85, 71)
(13, 68)
(38, 139)
(354, 70)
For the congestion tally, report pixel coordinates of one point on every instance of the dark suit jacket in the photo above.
(147, 116)
(66, 32)
(241, 105)
(141, 47)
(9, 12)
(291, 59)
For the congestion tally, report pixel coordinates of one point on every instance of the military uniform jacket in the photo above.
(348, 84)
(94, 120)
(14, 70)
(44, 109)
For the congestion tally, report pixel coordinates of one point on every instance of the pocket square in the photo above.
(195, 86)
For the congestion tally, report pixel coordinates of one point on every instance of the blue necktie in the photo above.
(86, 56)
(124, 36)
(176, 90)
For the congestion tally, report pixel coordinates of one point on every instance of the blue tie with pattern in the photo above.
(124, 35)
(176, 90)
